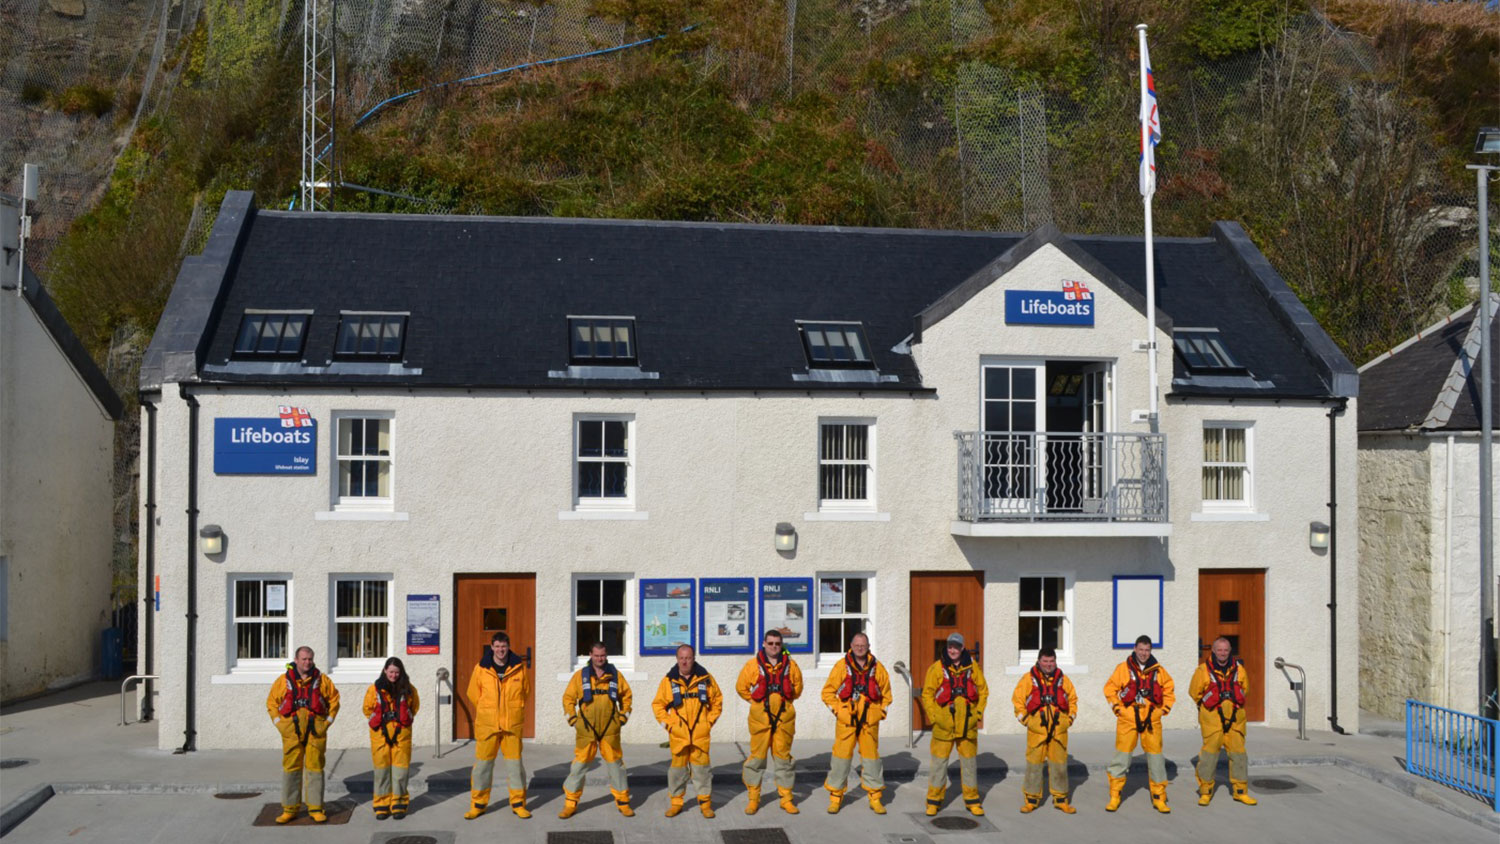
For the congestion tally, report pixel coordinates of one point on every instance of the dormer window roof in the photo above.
(601, 341)
(277, 335)
(833, 345)
(371, 336)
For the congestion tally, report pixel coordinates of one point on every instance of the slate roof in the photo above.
(715, 304)
(1431, 381)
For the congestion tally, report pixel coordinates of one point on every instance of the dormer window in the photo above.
(835, 345)
(602, 341)
(276, 335)
(371, 336)
(1204, 353)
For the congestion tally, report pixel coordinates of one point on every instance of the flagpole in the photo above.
(1150, 252)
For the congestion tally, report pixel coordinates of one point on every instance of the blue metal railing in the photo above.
(1453, 748)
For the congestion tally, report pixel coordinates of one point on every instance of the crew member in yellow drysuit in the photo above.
(1220, 686)
(1141, 693)
(770, 682)
(499, 690)
(1046, 703)
(687, 704)
(859, 692)
(391, 705)
(303, 703)
(954, 696)
(597, 703)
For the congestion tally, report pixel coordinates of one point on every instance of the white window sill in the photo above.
(255, 677)
(354, 677)
(846, 516)
(602, 515)
(359, 516)
(1018, 670)
(1230, 516)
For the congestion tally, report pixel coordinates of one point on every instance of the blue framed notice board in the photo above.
(786, 604)
(666, 615)
(1138, 608)
(726, 615)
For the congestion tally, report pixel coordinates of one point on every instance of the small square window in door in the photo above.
(945, 615)
(494, 618)
(1229, 612)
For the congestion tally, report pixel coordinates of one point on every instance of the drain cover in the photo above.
(1273, 784)
(236, 795)
(412, 838)
(7, 764)
(764, 835)
(954, 823)
(906, 838)
(582, 836)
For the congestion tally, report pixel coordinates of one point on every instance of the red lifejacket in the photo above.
(1143, 686)
(858, 682)
(773, 679)
(1054, 695)
(958, 683)
(298, 696)
(1223, 686)
(399, 712)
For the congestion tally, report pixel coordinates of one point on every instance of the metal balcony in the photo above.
(1038, 483)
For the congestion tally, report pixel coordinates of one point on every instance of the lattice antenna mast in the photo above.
(319, 23)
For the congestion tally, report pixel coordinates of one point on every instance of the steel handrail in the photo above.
(437, 711)
(911, 688)
(124, 719)
(1300, 687)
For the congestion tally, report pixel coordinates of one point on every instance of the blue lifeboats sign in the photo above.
(1072, 305)
(286, 444)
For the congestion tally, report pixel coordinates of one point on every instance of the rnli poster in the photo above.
(786, 605)
(666, 615)
(423, 624)
(727, 623)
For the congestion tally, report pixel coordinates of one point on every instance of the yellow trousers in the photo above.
(584, 751)
(779, 746)
(872, 770)
(302, 763)
(1232, 742)
(1046, 759)
(392, 769)
(1126, 738)
(968, 769)
(690, 763)
(509, 746)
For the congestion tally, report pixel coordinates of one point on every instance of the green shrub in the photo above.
(86, 99)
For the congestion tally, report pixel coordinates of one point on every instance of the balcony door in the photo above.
(1012, 410)
(1076, 448)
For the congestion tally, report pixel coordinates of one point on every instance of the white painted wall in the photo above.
(56, 459)
(482, 479)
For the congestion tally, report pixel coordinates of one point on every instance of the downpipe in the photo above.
(190, 733)
(148, 608)
(1333, 566)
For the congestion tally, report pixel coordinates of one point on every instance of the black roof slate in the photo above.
(1399, 391)
(715, 304)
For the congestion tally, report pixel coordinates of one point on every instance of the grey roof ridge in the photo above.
(1458, 373)
(1342, 377)
(71, 347)
(1420, 335)
(696, 224)
(181, 339)
(1046, 234)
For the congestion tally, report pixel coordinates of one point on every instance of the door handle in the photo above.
(528, 657)
(976, 649)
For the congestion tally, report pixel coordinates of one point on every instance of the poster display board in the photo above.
(786, 605)
(726, 615)
(666, 615)
(423, 623)
(1138, 608)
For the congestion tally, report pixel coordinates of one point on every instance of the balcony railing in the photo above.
(1034, 476)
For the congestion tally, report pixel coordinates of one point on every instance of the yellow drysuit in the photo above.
(1139, 720)
(1223, 725)
(689, 716)
(857, 712)
(955, 724)
(1046, 731)
(597, 718)
(498, 694)
(390, 745)
(304, 734)
(773, 718)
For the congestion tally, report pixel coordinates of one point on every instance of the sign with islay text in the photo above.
(284, 445)
(1072, 305)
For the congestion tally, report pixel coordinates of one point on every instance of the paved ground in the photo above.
(111, 784)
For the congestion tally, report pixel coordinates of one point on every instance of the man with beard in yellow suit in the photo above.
(303, 703)
(499, 690)
(954, 696)
(597, 703)
(1219, 687)
(687, 704)
(770, 682)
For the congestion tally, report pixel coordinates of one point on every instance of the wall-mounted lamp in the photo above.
(211, 540)
(1317, 536)
(786, 537)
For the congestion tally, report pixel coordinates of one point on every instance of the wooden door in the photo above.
(1232, 604)
(943, 603)
(484, 604)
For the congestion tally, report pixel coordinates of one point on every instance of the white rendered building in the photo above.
(410, 431)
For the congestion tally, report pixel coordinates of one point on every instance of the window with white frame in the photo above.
(846, 464)
(844, 608)
(261, 619)
(1046, 616)
(364, 456)
(599, 614)
(604, 462)
(1226, 465)
(361, 618)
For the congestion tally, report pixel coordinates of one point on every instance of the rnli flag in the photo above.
(1150, 126)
